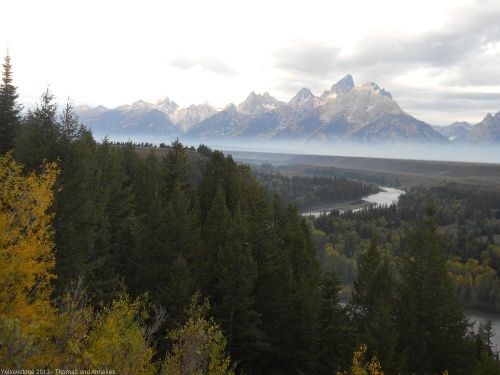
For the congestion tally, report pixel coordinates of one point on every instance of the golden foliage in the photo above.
(199, 346)
(358, 366)
(26, 258)
(117, 342)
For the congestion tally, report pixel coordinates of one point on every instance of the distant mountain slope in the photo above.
(399, 127)
(487, 131)
(186, 118)
(256, 104)
(456, 132)
(128, 123)
(220, 125)
(164, 117)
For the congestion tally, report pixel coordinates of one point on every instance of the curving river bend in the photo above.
(387, 196)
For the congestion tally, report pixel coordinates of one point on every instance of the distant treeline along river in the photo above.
(387, 196)
(479, 317)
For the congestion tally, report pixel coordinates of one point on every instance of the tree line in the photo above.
(312, 191)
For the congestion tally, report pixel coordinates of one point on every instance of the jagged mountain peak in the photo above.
(487, 131)
(85, 108)
(256, 104)
(347, 78)
(376, 87)
(304, 98)
(140, 104)
(135, 106)
(166, 105)
(343, 86)
(304, 93)
(186, 118)
(362, 105)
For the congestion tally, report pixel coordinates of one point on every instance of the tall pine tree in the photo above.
(39, 134)
(237, 273)
(9, 108)
(372, 305)
(433, 329)
(335, 336)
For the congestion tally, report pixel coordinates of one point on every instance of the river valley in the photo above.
(386, 196)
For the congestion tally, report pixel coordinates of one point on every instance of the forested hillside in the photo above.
(313, 191)
(131, 264)
(469, 226)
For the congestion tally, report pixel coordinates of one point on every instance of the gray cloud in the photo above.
(462, 40)
(208, 64)
(444, 107)
(313, 58)
(461, 53)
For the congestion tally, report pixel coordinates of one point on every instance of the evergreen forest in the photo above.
(125, 262)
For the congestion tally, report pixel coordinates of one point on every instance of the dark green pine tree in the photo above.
(237, 273)
(306, 298)
(9, 108)
(177, 170)
(486, 333)
(175, 294)
(274, 290)
(373, 307)
(181, 225)
(291, 319)
(335, 337)
(434, 334)
(39, 134)
(220, 172)
(117, 240)
(173, 283)
(77, 214)
(488, 362)
(214, 235)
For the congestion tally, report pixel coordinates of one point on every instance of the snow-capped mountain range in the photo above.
(364, 113)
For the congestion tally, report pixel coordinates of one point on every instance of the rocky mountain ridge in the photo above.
(457, 132)
(102, 119)
(364, 113)
(485, 132)
(346, 112)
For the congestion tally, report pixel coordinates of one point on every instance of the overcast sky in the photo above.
(440, 60)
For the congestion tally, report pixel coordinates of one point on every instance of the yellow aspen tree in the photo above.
(26, 259)
(358, 366)
(118, 340)
(199, 346)
(74, 321)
